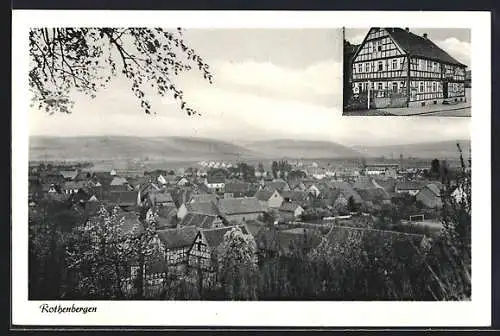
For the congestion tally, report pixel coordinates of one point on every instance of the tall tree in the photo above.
(101, 253)
(64, 61)
(274, 169)
(238, 262)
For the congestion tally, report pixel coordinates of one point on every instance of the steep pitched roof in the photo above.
(177, 238)
(123, 198)
(420, 46)
(214, 237)
(161, 196)
(203, 198)
(232, 206)
(296, 195)
(435, 189)
(198, 220)
(363, 182)
(264, 195)
(347, 190)
(279, 185)
(206, 208)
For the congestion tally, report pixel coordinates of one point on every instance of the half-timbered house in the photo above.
(402, 69)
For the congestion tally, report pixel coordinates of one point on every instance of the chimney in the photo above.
(407, 29)
(425, 35)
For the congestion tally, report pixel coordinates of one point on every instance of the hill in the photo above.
(302, 149)
(440, 150)
(127, 148)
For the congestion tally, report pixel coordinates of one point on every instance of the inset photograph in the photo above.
(407, 72)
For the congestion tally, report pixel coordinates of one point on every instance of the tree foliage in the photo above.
(64, 61)
(101, 253)
(238, 264)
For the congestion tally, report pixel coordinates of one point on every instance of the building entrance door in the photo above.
(445, 89)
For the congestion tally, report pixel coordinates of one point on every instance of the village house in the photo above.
(269, 199)
(182, 181)
(381, 169)
(176, 244)
(215, 182)
(345, 190)
(204, 221)
(203, 253)
(127, 200)
(166, 216)
(204, 208)
(299, 197)
(119, 184)
(160, 198)
(240, 209)
(403, 69)
(290, 211)
(237, 189)
(430, 196)
(276, 184)
(203, 198)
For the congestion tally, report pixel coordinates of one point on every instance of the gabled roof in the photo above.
(264, 195)
(206, 208)
(347, 190)
(123, 198)
(216, 178)
(72, 185)
(434, 189)
(177, 238)
(244, 205)
(161, 196)
(198, 220)
(214, 237)
(417, 45)
(203, 198)
(279, 185)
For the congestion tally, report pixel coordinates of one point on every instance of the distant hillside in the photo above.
(122, 148)
(440, 150)
(302, 149)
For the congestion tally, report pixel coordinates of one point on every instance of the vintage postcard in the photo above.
(178, 169)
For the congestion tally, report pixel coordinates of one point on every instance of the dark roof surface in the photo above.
(177, 238)
(417, 45)
(214, 237)
(232, 206)
(198, 220)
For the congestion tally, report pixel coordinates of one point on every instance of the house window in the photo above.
(370, 47)
(360, 67)
(379, 85)
(433, 86)
(380, 66)
(199, 246)
(421, 87)
(394, 64)
(379, 46)
(367, 67)
(394, 87)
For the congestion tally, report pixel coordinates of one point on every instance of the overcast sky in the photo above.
(268, 84)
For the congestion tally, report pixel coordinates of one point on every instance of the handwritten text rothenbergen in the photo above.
(59, 309)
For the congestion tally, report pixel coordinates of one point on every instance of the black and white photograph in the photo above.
(407, 72)
(195, 167)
